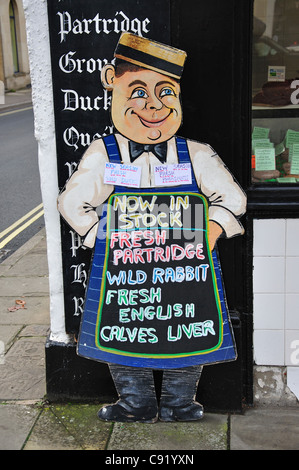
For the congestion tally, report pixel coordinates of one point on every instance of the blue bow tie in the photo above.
(160, 150)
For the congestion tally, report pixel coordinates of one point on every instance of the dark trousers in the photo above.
(136, 385)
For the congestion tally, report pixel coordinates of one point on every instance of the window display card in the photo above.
(294, 159)
(286, 180)
(264, 159)
(260, 133)
(262, 143)
(292, 137)
(276, 73)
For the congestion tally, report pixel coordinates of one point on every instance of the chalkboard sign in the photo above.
(83, 36)
(154, 297)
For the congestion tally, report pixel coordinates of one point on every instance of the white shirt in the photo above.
(86, 190)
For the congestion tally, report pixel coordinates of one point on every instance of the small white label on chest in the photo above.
(173, 175)
(122, 175)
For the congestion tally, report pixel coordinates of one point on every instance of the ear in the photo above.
(108, 76)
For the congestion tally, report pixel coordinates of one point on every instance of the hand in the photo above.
(215, 230)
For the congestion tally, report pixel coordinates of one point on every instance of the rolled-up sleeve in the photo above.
(84, 192)
(227, 200)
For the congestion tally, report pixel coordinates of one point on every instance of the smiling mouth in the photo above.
(153, 122)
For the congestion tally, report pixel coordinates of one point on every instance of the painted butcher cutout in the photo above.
(155, 298)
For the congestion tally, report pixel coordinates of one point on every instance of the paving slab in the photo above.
(35, 330)
(17, 98)
(49, 433)
(266, 429)
(16, 422)
(36, 311)
(208, 434)
(33, 264)
(36, 244)
(24, 286)
(22, 370)
(69, 427)
(8, 334)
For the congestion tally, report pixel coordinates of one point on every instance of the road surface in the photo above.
(20, 202)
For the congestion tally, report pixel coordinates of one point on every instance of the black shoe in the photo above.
(178, 393)
(137, 397)
(192, 412)
(124, 413)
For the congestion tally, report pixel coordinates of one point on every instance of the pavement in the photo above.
(15, 99)
(28, 421)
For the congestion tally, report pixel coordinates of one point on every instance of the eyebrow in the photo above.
(163, 82)
(137, 82)
(166, 82)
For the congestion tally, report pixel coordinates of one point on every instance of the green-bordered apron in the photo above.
(155, 296)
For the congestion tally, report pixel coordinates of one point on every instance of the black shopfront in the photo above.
(217, 109)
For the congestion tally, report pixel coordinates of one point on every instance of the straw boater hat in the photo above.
(151, 55)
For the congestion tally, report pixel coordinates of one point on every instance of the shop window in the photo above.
(275, 92)
(13, 34)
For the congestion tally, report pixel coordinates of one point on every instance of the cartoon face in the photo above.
(146, 105)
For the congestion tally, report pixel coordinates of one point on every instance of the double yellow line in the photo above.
(35, 215)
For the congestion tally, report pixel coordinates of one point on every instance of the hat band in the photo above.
(146, 60)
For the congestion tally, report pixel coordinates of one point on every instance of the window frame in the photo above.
(14, 36)
(270, 199)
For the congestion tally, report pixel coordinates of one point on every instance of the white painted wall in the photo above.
(42, 96)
